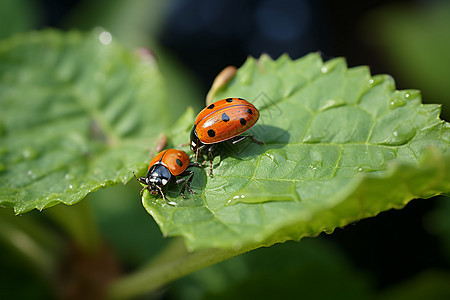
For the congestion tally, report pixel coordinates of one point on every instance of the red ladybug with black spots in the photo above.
(221, 121)
(165, 167)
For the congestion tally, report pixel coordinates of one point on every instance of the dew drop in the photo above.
(395, 133)
(29, 153)
(371, 81)
(68, 176)
(255, 194)
(105, 37)
(367, 169)
(396, 102)
(324, 69)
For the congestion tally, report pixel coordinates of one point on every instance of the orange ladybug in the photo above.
(221, 121)
(165, 167)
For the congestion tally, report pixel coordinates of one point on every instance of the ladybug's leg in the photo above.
(196, 154)
(181, 180)
(187, 183)
(161, 192)
(194, 164)
(240, 138)
(210, 155)
(144, 188)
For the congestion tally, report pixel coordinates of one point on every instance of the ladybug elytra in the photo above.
(221, 121)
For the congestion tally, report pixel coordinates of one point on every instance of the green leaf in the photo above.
(340, 145)
(75, 116)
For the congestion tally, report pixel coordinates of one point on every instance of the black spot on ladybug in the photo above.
(225, 117)
(243, 121)
(211, 106)
(250, 111)
(229, 100)
(179, 162)
(212, 133)
(241, 98)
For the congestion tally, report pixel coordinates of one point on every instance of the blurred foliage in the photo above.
(314, 269)
(415, 44)
(95, 111)
(439, 224)
(431, 284)
(135, 24)
(17, 16)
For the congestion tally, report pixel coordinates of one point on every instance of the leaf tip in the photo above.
(220, 82)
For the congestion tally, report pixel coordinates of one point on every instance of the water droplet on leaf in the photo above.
(328, 231)
(68, 176)
(396, 102)
(256, 192)
(29, 153)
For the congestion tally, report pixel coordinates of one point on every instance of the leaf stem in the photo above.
(79, 224)
(173, 262)
(25, 236)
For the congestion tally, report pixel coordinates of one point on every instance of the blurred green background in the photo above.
(398, 254)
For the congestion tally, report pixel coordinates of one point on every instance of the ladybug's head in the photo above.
(157, 176)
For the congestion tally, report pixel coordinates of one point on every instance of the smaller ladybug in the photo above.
(221, 121)
(165, 167)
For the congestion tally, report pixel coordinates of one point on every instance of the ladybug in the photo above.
(221, 121)
(166, 166)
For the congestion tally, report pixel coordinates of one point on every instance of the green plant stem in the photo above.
(26, 237)
(78, 222)
(174, 262)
